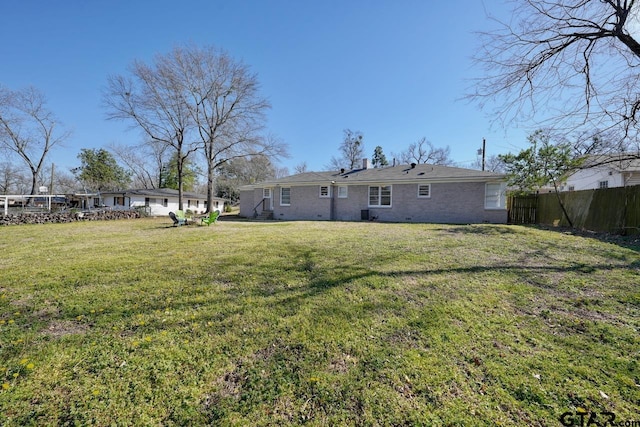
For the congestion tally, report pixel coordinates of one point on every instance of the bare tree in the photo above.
(64, 182)
(145, 162)
(7, 177)
(424, 151)
(492, 163)
(570, 65)
(28, 129)
(225, 106)
(153, 100)
(12, 179)
(281, 172)
(351, 151)
(301, 167)
(195, 99)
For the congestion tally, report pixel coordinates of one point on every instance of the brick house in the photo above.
(404, 193)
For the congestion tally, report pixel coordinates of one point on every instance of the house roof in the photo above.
(394, 174)
(160, 192)
(628, 162)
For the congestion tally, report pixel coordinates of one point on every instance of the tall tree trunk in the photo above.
(210, 185)
(34, 183)
(179, 167)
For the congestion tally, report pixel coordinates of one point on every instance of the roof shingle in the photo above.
(393, 174)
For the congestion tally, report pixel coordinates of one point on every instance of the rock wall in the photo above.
(60, 217)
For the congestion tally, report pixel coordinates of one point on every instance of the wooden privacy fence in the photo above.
(523, 209)
(610, 210)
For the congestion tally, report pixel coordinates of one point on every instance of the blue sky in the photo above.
(394, 69)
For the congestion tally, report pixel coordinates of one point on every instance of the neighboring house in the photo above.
(405, 193)
(604, 172)
(158, 202)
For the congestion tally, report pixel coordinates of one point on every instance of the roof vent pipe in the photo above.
(342, 170)
(413, 165)
(365, 163)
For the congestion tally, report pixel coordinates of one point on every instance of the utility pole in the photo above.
(51, 182)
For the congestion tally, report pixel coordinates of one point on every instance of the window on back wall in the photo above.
(325, 191)
(424, 190)
(380, 195)
(494, 196)
(285, 196)
(603, 184)
(342, 192)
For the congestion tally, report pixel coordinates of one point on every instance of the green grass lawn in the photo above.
(317, 323)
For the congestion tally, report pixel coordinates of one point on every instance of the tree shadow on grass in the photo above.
(345, 276)
(628, 241)
(482, 229)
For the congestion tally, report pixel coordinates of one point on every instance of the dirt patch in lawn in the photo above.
(62, 328)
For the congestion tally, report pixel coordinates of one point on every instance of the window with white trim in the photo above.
(266, 193)
(494, 195)
(342, 192)
(325, 191)
(424, 191)
(285, 196)
(603, 184)
(379, 195)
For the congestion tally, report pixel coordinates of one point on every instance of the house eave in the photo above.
(434, 180)
(159, 193)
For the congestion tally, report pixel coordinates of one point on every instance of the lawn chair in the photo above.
(211, 219)
(177, 220)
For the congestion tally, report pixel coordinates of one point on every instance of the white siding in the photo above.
(589, 179)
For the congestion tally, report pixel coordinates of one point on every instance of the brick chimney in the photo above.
(365, 163)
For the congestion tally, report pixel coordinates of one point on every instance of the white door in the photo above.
(266, 194)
